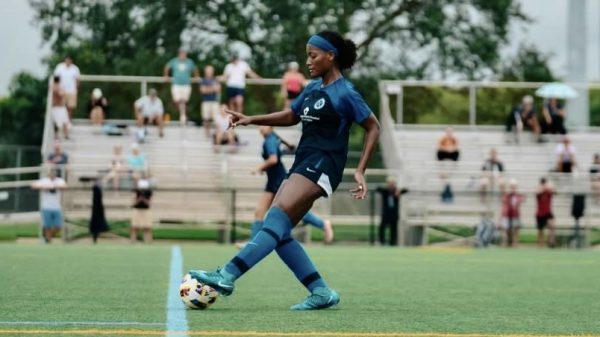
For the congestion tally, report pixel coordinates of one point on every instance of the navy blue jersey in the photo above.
(271, 147)
(327, 113)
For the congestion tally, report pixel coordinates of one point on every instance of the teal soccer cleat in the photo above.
(321, 298)
(214, 279)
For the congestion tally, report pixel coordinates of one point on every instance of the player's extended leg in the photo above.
(293, 200)
(312, 219)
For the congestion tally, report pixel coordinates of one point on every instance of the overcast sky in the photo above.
(20, 40)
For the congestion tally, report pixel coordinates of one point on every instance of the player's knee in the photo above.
(277, 223)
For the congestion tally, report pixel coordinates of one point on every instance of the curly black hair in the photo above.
(346, 48)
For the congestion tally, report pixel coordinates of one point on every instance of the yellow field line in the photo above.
(134, 332)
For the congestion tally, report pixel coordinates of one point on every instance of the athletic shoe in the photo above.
(214, 279)
(321, 298)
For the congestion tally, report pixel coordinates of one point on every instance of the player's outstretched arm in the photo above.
(281, 118)
(371, 126)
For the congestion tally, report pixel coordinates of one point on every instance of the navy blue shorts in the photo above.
(234, 92)
(320, 169)
(273, 183)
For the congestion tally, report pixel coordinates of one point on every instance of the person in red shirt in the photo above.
(511, 213)
(292, 83)
(544, 215)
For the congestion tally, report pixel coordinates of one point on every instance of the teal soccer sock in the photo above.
(294, 256)
(277, 225)
(311, 219)
(256, 226)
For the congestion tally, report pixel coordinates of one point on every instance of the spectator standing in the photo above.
(595, 177)
(390, 210)
(210, 89)
(97, 107)
(58, 161)
(554, 117)
(234, 77)
(60, 114)
(149, 109)
(292, 84)
(524, 117)
(544, 216)
(69, 82)
(141, 217)
(51, 210)
(511, 214)
(448, 146)
(492, 174)
(565, 152)
(181, 68)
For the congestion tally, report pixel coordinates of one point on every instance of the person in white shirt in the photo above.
(51, 210)
(69, 82)
(149, 109)
(234, 77)
(565, 152)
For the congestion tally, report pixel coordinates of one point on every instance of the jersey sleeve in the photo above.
(297, 102)
(139, 103)
(161, 107)
(271, 146)
(355, 106)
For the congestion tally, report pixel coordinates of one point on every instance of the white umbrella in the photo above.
(556, 90)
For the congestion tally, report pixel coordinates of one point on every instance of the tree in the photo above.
(136, 36)
(22, 117)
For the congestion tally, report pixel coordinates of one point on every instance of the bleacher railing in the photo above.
(397, 88)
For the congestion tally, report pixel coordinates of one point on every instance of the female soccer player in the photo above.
(276, 173)
(327, 108)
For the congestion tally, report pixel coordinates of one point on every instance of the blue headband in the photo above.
(323, 44)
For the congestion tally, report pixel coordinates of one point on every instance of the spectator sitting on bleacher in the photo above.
(511, 214)
(149, 109)
(97, 107)
(491, 174)
(136, 162)
(524, 117)
(117, 166)
(595, 177)
(565, 152)
(544, 216)
(58, 160)
(448, 146)
(224, 135)
(554, 117)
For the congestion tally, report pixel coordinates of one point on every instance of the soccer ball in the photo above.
(196, 295)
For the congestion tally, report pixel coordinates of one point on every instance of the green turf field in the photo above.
(121, 290)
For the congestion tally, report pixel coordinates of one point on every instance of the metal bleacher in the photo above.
(413, 152)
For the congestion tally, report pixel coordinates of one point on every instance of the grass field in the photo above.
(121, 290)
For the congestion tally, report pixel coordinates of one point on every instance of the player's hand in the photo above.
(166, 79)
(237, 119)
(360, 192)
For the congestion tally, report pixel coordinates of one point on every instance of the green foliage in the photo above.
(22, 112)
(134, 37)
(22, 119)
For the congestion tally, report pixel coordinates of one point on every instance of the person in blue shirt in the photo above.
(327, 108)
(181, 69)
(276, 174)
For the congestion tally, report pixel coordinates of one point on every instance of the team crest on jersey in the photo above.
(320, 103)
